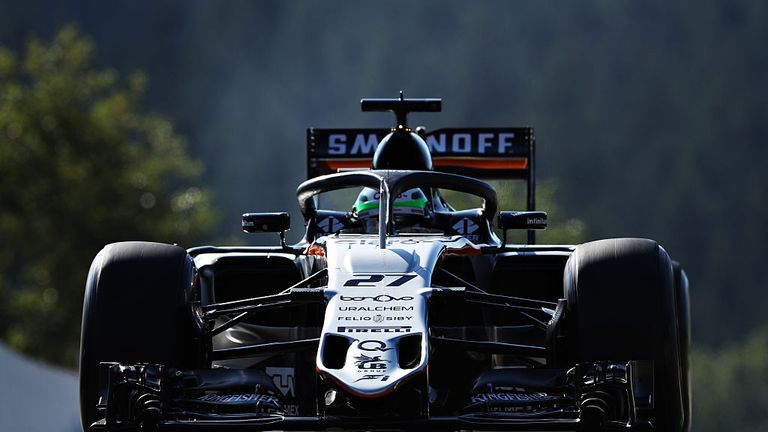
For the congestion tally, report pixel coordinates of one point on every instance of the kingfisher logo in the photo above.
(239, 398)
(511, 397)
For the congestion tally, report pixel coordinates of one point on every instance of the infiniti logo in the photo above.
(379, 298)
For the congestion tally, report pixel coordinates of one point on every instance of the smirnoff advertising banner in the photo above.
(478, 152)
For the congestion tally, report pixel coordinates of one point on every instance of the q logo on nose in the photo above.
(373, 345)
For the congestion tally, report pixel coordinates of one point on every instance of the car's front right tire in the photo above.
(622, 306)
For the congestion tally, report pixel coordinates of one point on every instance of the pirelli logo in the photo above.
(377, 329)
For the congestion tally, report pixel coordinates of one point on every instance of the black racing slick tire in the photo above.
(136, 309)
(683, 298)
(622, 306)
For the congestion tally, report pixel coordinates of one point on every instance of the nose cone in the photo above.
(385, 334)
(373, 360)
(402, 150)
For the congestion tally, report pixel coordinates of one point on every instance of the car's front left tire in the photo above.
(136, 309)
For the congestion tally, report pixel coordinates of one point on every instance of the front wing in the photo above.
(594, 396)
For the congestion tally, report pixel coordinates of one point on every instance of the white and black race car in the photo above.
(403, 313)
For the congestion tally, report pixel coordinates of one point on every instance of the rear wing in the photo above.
(487, 153)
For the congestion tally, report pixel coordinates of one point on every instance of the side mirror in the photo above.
(266, 222)
(525, 220)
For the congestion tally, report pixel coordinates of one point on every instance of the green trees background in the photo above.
(651, 121)
(729, 385)
(81, 166)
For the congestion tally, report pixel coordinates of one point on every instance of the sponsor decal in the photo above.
(375, 308)
(365, 362)
(494, 143)
(382, 329)
(283, 378)
(377, 377)
(238, 398)
(465, 226)
(401, 195)
(492, 149)
(372, 345)
(362, 144)
(383, 298)
(375, 318)
(511, 397)
(291, 409)
(390, 240)
(330, 224)
(407, 241)
(440, 142)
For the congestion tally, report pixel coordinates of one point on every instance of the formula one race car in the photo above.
(403, 313)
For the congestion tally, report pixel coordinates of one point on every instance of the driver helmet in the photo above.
(409, 209)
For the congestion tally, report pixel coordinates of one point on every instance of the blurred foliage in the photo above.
(730, 391)
(560, 228)
(512, 194)
(81, 166)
